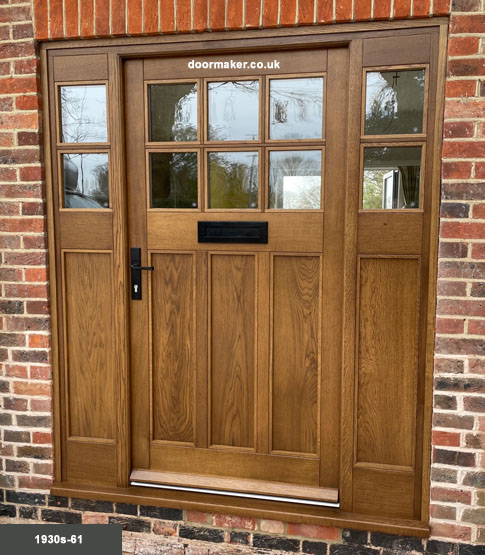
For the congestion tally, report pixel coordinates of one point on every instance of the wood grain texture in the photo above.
(295, 353)
(232, 348)
(173, 342)
(86, 230)
(91, 462)
(387, 361)
(392, 51)
(81, 68)
(90, 357)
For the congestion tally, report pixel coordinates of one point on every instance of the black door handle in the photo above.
(136, 268)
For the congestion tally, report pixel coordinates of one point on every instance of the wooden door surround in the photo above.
(356, 275)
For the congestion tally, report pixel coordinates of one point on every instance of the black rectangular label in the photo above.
(233, 232)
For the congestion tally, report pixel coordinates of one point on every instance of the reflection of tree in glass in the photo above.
(373, 189)
(174, 179)
(83, 114)
(86, 180)
(101, 194)
(233, 180)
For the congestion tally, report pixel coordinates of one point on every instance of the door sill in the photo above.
(237, 487)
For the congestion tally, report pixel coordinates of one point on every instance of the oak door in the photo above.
(235, 342)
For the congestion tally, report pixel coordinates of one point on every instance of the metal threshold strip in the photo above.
(238, 494)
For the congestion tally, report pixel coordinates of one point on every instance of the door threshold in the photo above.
(236, 487)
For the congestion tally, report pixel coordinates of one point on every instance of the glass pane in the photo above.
(85, 180)
(394, 102)
(295, 179)
(173, 112)
(296, 108)
(391, 177)
(233, 179)
(83, 114)
(173, 179)
(234, 111)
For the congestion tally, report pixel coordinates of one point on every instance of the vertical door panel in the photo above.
(173, 356)
(295, 353)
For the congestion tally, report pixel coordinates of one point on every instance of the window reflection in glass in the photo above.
(85, 180)
(295, 179)
(233, 179)
(394, 102)
(173, 179)
(173, 112)
(391, 177)
(83, 114)
(233, 111)
(296, 108)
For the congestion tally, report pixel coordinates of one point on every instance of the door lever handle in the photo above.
(138, 267)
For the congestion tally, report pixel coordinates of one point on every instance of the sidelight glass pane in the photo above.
(173, 112)
(233, 111)
(295, 179)
(233, 179)
(83, 114)
(394, 102)
(296, 108)
(85, 180)
(392, 177)
(173, 180)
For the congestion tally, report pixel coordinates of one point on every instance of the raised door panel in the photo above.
(88, 297)
(232, 348)
(296, 307)
(173, 353)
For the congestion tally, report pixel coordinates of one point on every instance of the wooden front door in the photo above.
(235, 342)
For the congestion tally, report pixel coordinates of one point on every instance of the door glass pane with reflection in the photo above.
(296, 108)
(83, 114)
(85, 180)
(392, 177)
(233, 111)
(233, 179)
(394, 102)
(295, 179)
(173, 112)
(173, 180)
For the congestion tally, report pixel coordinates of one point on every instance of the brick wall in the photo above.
(458, 475)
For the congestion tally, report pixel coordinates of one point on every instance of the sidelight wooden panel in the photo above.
(81, 68)
(232, 345)
(295, 353)
(386, 51)
(173, 352)
(387, 361)
(89, 358)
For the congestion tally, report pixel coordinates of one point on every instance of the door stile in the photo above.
(263, 356)
(202, 354)
(139, 347)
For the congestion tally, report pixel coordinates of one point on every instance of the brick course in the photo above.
(458, 479)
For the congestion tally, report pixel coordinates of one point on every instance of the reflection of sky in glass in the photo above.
(295, 179)
(296, 108)
(86, 174)
(234, 111)
(83, 114)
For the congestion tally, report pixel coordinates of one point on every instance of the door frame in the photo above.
(116, 51)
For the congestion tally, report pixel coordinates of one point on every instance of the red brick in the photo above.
(17, 50)
(23, 291)
(28, 102)
(34, 241)
(449, 326)
(443, 512)
(56, 23)
(8, 174)
(461, 307)
(456, 170)
(446, 438)
(234, 14)
(4, 68)
(87, 18)
(480, 170)
(43, 468)
(12, 14)
(22, 224)
(461, 46)
(5, 33)
(343, 10)
(421, 8)
(458, 89)
(167, 16)
(440, 530)
(451, 288)
(6, 139)
(362, 10)
(32, 209)
(464, 110)
(102, 18)
(9, 242)
(466, 6)
(32, 388)
(42, 437)
(41, 405)
(217, 15)
(184, 16)
(14, 370)
(200, 15)
(461, 149)
(382, 9)
(13, 85)
(458, 129)
(40, 372)
(19, 121)
(34, 482)
(94, 518)
(37, 307)
(441, 7)
(464, 67)
(253, 13)
(465, 346)
(230, 521)
(311, 531)
(37, 341)
(463, 230)
(164, 529)
(25, 258)
(27, 324)
(22, 31)
(270, 13)
(287, 12)
(467, 23)
(306, 12)
(272, 526)
(6, 104)
(28, 138)
(476, 327)
(9, 208)
(449, 495)
(402, 8)
(478, 251)
(197, 516)
(134, 17)
(32, 173)
(118, 17)
(12, 403)
(150, 17)
(35, 274)
(72, 18)
(25, 67)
